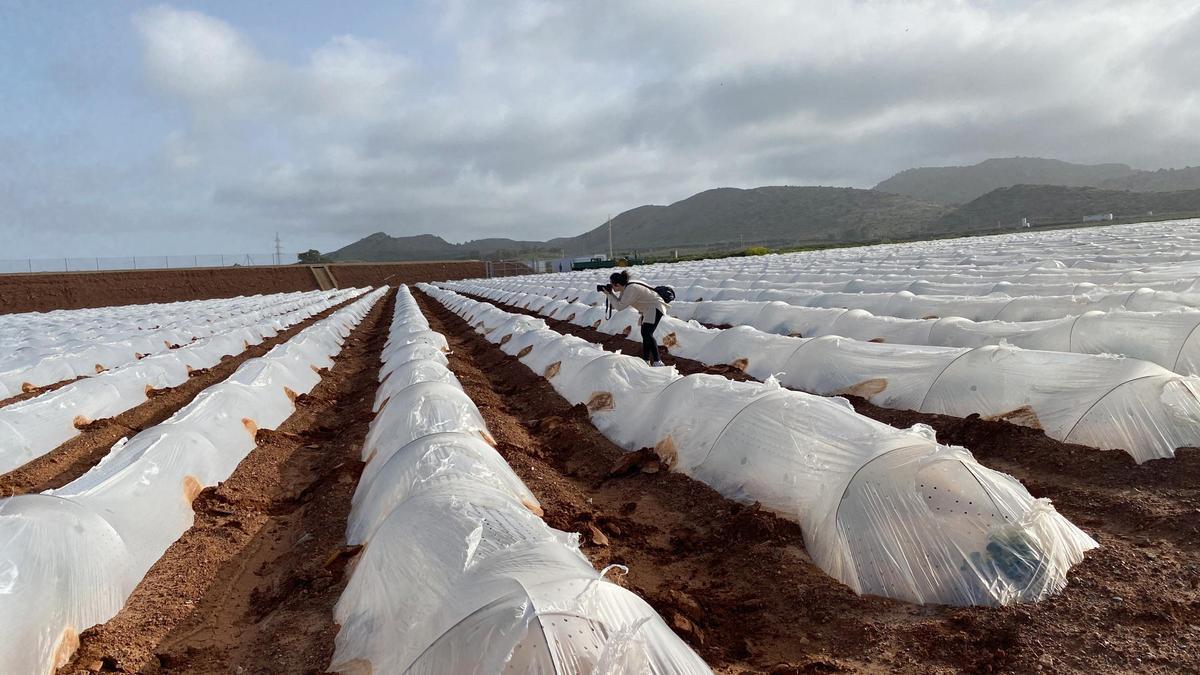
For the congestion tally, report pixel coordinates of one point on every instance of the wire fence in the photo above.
(141, 262)
(515, 268)
(495, 268)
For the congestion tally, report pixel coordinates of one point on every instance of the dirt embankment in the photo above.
(34, 392)
(1132, 606)
(394, 274)
(74, 290)
(73, 458)
(251, 587)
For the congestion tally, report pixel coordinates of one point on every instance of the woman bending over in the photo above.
(624, 292)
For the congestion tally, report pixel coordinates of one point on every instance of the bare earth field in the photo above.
(251, 587)
(74, 290)
(1133, 605)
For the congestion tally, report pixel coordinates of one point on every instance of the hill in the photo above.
(1061, 204)
(772, 216)
(719, 218)
(961, 184)
(726, 219)
(1163, 180)
(382, 247)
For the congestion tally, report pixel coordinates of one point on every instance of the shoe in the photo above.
(658, 364)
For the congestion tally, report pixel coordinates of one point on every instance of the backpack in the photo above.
(665, 292)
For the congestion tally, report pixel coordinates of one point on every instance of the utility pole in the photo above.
(278, 250)
(610, 248)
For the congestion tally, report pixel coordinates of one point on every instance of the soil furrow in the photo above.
(36, 391)
(73, 458)
(1133, 605)
(250, 588)
(700, 559)
(1158, 500)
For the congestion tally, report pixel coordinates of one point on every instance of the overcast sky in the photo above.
(136, 128)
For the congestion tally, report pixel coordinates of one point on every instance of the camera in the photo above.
(605, 288)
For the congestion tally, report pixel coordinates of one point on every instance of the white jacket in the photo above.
(642, 298)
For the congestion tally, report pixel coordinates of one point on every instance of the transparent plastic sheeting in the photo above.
(31, 428)
(1168, 338)
(70, 557)
(1161, 256)
(965, 292)
(1115, 260)
(906, 305)
(886, 511)
(1101, 401)
(459, 574)
(42, 349)
(1180, 278)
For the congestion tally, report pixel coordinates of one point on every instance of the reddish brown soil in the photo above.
(74, 290)
(251, 587)
(394, 274)
(1132, 606)
(1157, 500)
(73, 458)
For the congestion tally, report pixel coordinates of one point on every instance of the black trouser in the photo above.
(649, 346)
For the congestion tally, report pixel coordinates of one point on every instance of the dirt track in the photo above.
(251, 587)
(1133, 605)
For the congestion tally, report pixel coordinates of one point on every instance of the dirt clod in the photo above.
(597, 535)
(686, 604)
(644, 461)
(683, 625)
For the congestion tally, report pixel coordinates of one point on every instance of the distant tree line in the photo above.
(313, 257)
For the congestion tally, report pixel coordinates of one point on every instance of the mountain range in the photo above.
(955, 185)
(959, 185)
(993, 195)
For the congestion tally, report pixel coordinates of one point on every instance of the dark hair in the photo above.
(621, 277)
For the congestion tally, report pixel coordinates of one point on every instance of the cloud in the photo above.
(199, 58)
(534, 119)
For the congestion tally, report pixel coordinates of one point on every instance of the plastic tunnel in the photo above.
(64, 345)
(70, 557)
(1152, 326)
(861, 490)
(31, 428)
(459, 574)
(1064, 394)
